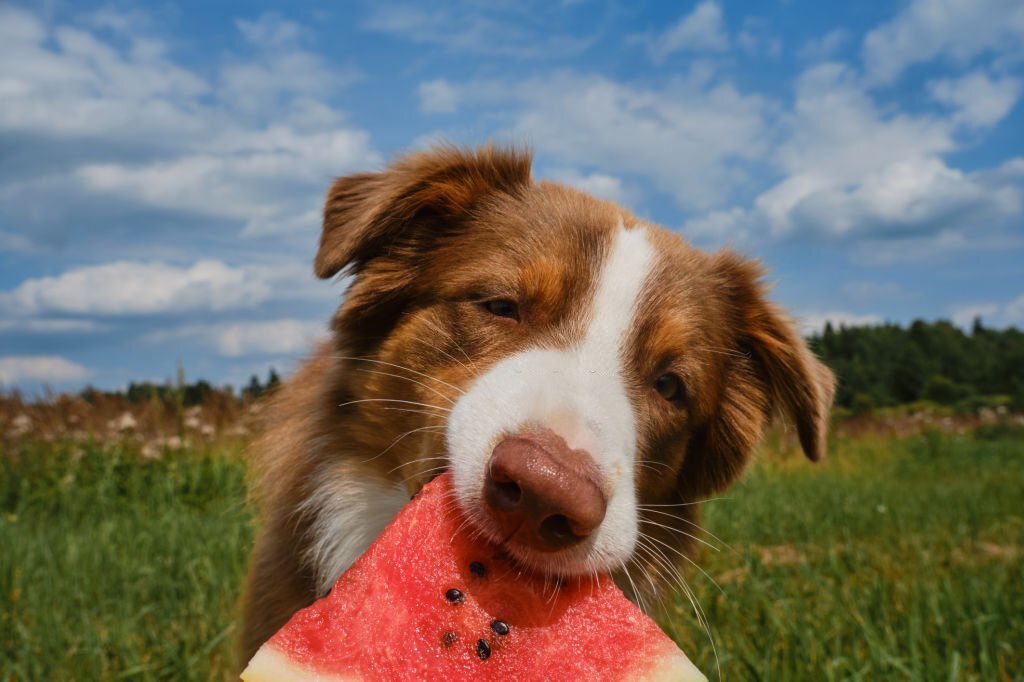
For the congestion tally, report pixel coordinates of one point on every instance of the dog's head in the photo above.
(576, 368)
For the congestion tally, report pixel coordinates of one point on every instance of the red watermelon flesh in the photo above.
(428, 601)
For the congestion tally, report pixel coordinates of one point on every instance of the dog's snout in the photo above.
(542, 493)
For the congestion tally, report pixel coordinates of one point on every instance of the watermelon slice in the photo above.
(427, 601)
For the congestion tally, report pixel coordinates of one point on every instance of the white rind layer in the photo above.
(674, 666)
(270, 665)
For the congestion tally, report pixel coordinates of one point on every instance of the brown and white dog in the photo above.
(585, 375)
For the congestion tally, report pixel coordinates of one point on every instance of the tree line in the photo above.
(886, 365)
(187, 394)
(877, 366)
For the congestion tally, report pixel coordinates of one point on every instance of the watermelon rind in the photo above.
(271, 665)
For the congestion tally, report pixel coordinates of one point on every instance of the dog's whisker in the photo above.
(419, 383)
(423, 412)
(448, 335)
(724, 351)
(691, 523)
(681, 532)
(636, 592)
(462, 525)
(659, 574)
(675, 575)
(402, 367)
(655, 592)
(415, 461)
(429, 427)
(394, 400)
(428, 472)
(698, 610)
(648, 467)
(686, 504)
(653, 462)
(688, 560)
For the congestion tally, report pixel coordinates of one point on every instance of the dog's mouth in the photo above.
(576, 559)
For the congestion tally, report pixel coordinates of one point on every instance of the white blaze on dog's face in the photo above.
(580, 394)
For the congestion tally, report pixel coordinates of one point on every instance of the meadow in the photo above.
(898, 558)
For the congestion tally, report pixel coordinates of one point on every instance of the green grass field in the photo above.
(895, 559)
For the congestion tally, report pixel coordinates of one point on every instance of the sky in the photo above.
(163, 164)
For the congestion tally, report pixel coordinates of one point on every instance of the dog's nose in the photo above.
(542, 493)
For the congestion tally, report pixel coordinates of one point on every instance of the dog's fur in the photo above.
(420, 373)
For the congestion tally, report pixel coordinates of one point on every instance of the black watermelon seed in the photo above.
(455, 596)
(483, 649)
(449, 638)
(500, 627)
(478, 569)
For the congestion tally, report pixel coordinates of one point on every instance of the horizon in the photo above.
(165, 165)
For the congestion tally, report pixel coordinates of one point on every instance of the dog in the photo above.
(585, 375)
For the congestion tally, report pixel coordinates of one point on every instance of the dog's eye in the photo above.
(502, 308)
(669, 387)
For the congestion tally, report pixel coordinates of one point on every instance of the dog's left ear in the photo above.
(773, 372)
(393, 212)
(796, 382)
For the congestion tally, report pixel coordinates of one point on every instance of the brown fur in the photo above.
(427, 240)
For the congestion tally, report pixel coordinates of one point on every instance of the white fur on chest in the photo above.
(349, 511)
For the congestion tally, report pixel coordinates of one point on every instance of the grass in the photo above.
(115, 567)
(895, 559)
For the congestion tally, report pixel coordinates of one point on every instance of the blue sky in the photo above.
(162, 164)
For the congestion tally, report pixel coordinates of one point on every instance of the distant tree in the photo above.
(254, 389)
(944, 390)
(197, 393)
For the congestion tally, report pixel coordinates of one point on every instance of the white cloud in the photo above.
(964, 315)
(251, 177)
(825, 47)
(139, 288)
(10, 241)
(811, 323)
(288, 336)
(689, 138)
(50, 326)
(871, 289)
(268, 337)
(854, 170)
(437, 97)
(920, 195)
(976, 99)
(68, 83)
(270, 30)
(932, 248)
(476, 28)
(1001, 314)
(599, 184)
(837, 129)
(927, 29)
(280, 67)
(129, 123)
(702, 30)
(44, 368)
(756, 39)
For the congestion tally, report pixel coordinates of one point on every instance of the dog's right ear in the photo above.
(395, 211)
